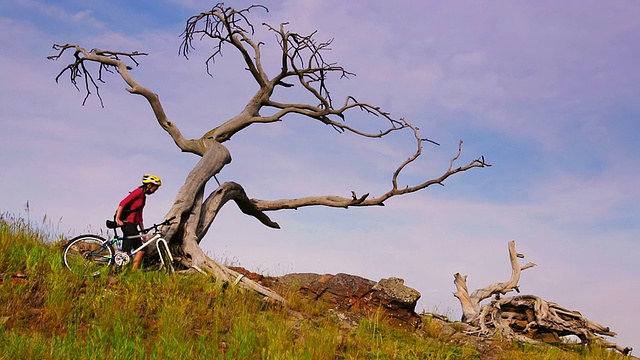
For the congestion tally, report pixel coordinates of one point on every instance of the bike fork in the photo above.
(167, 263)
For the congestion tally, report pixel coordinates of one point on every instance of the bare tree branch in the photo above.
(226, 26)
(110, 61)
(345, 202)
(225, 192)
(471, 304)
(505, 287)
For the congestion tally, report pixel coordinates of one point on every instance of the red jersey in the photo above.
(132, 206)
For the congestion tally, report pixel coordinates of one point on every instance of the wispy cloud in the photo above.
(62, 14)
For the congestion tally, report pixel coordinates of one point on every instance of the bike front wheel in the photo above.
(165, 257)
(88, 254)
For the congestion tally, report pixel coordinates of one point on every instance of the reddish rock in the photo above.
(355, 294)
(348, 293)
(253, 276)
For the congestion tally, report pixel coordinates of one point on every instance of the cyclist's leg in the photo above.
(137, 259)
(128, 244)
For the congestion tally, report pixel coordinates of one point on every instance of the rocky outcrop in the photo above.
(350, 293)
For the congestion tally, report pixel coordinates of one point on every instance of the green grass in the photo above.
(48, 312)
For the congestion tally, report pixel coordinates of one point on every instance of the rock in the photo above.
(349, 294)
(253, 276)
(354, 294)
(393, 291)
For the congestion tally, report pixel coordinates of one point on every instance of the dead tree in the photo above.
(526, 318)
(301, 64)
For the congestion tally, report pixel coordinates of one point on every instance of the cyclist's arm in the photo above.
(118, 215)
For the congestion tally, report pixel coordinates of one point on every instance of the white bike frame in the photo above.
(159, 241)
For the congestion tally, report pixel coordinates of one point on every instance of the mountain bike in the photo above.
(92, 254)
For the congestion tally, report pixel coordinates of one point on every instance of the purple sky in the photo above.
(547, 91)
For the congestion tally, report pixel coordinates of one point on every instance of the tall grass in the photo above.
(48, 312)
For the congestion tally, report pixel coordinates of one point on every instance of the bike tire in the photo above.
(88, 254)
(165, 259)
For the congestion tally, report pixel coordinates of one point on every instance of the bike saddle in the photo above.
(112, 224)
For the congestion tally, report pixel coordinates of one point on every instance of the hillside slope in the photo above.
(49, 313)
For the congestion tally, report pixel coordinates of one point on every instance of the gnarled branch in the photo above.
(110, 61)
(526, 318)
(365, 200)
(216, 200)
(471, 303)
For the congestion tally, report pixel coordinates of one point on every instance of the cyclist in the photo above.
(129, 215)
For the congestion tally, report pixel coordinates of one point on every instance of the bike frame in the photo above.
(157, 238)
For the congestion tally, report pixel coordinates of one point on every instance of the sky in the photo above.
(546, 91)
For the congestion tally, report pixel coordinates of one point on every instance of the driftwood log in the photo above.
(526, 318)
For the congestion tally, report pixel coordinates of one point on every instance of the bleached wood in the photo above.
(470, 308)
(505, 316)
(471, 303)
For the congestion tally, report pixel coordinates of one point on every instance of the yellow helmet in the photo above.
(151, 179)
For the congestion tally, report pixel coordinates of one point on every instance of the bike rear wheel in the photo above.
(88, 254)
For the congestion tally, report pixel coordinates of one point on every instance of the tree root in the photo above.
(526, 318)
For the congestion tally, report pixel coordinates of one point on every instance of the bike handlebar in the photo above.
(155, 226)
(112, 224)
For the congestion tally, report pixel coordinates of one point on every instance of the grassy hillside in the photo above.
(47, 312)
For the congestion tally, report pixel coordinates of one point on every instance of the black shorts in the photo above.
(128, 229)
